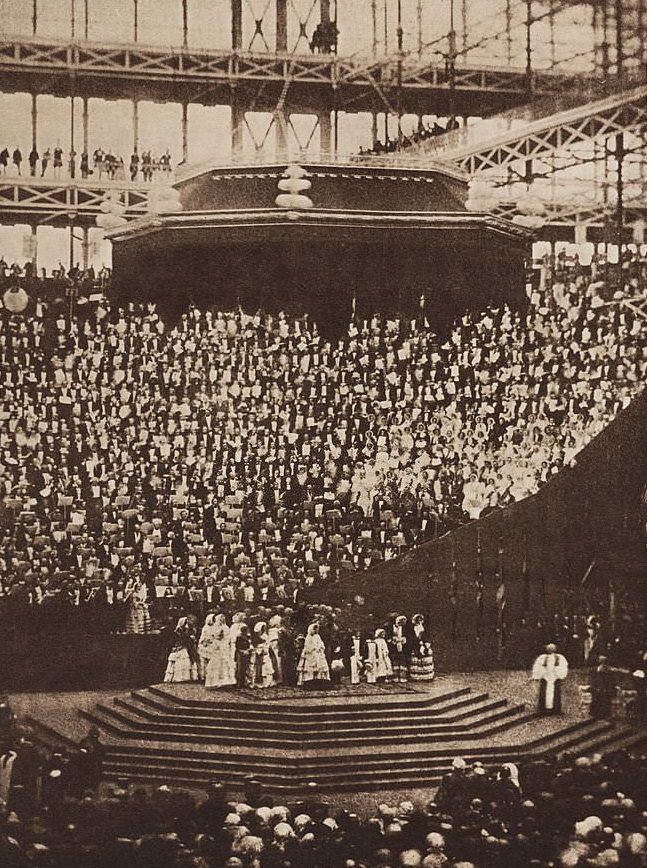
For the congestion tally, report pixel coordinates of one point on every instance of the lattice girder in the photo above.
(33, 200)
(355, 76)
(630, 118)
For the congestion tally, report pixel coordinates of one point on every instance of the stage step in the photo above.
(310, 706)
(414, 771)
(441, 709)
(125, 724)
(184, 735)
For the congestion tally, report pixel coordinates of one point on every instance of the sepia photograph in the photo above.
(323, 435)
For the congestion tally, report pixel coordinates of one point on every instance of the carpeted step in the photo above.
(454, 709)
(475, 715)
(309, 704)
(414, 773)
(318, 766)
(125, 725)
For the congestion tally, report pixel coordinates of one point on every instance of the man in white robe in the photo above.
(550, 669)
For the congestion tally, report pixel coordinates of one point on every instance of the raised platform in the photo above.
(348, 739)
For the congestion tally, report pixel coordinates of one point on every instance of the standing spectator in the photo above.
(17, 160)
(4, 160)
(110, 164)
(147, 166)
(72, 163)
(134, 164)
(44, 163)
(98, 159)
(58, 161)
(34, 157)
(91, 743)
(85, 165)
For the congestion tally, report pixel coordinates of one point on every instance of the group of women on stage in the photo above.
(270, 653)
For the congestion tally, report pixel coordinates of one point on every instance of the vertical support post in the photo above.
(281, 26)
(595, 26)
(237, 122)
(335, 115)
(73, 19)
(641, 42)
(620, 67)
(34, 121)
(374, 128)
(34, 17)
(236, 24)
(185, 24)
(136, 125)
(508, 28)
(281, 129)
(419, 26)
(606, 60)
(464, 24)
(185, 132)
(86, 20)
(451, 63)
(386, 27)
(85, 248)
(529, 48)
(135, 20)
(374, 22)
(399, 100)
(72, 162)
(85, 124)
(325, 133)
(551, 27)
(71, 256)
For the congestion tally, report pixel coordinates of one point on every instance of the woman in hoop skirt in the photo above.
(312, 669)
(421, 667)
(183, 660)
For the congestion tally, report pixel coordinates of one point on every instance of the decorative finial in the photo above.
(294, 183)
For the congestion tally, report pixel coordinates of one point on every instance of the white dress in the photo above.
(383, 667)
(313, 665)
(220, 669)
(371, 661)
(205, 647)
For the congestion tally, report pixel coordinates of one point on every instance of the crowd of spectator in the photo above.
(244, 456)
(99, 165)
(589, 812)
(420, 134)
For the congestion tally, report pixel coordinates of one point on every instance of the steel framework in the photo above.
(224, 77)
(59, 203)
(270, 72)
(556, 132)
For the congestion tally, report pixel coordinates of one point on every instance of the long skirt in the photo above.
(138, 619)
(422, 668)
(400, 668)
(220, 670)
(313, 667)
(180, 667)
(262, 668)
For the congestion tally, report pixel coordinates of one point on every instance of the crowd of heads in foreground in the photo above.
(249, 455)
